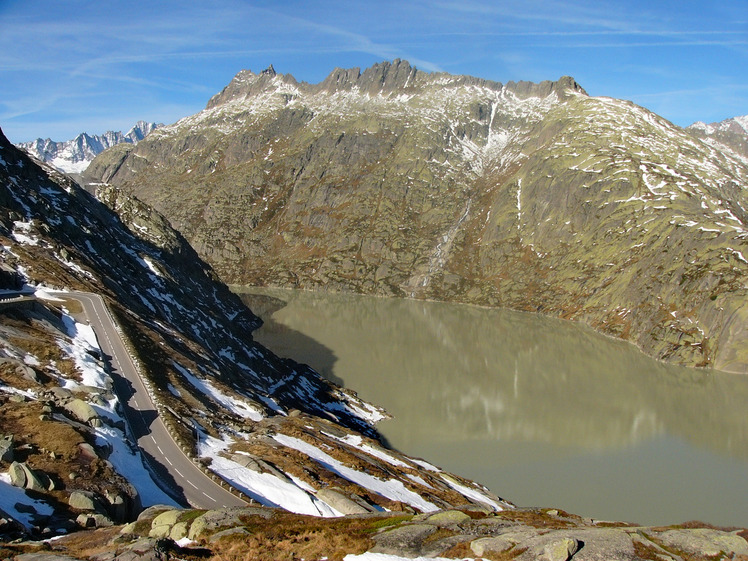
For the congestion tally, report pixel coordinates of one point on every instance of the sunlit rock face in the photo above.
(397, 182)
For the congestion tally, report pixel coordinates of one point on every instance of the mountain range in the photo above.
(398, 182)
(73, 156)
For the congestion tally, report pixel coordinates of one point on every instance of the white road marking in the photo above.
(191, 483)
(179, 472)
(211, 498)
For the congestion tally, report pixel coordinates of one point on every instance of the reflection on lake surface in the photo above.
(544, 412)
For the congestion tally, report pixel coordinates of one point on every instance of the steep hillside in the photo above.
(74, 156)
(397, 182)
(273, 429)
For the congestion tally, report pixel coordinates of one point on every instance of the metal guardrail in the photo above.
(161, 409)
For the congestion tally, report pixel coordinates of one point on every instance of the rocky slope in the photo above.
(74, 156)
(273, 429)
(397, 182)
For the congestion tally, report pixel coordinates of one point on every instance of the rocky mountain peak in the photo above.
(385, 78)
(139, 131)
(730, 134)
(381, 78)
(563, 88)
(269, 71)
(247, 84)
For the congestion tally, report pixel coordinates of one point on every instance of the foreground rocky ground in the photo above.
(467, 533)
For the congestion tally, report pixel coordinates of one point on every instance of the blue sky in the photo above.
(70, 66)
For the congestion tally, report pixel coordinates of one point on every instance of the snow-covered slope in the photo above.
(73, 156)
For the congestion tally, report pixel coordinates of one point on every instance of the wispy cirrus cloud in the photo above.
(557, 13)
(58, 58)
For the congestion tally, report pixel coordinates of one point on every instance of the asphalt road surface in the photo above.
(176, 473)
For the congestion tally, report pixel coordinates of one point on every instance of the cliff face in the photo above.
(396, 182)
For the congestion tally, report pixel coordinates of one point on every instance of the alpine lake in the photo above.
(543, 412)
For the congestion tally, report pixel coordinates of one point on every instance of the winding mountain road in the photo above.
(179, 476)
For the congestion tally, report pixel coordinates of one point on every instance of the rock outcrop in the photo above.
(24, 477)
(6, 449)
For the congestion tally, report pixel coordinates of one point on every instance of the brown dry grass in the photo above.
(283, 537)
(289, 536)
(10, 377)
(23, 420)
(540, 519)
(73, 306)
(52, 447)
(647, 552)
(85, 544)
(8, 551)
(38, 341)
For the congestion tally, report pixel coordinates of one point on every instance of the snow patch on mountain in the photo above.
(392, 489)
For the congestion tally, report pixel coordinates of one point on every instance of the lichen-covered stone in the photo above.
(17, 475)
(6, 449)
(82, 411)
(559, 550)
(703, 541)
(403, 540)
(447, 518)
(340, 502)
(85, 500)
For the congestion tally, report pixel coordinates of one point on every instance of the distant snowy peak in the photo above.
(73, 156)
(736, 124)
(730, 133)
